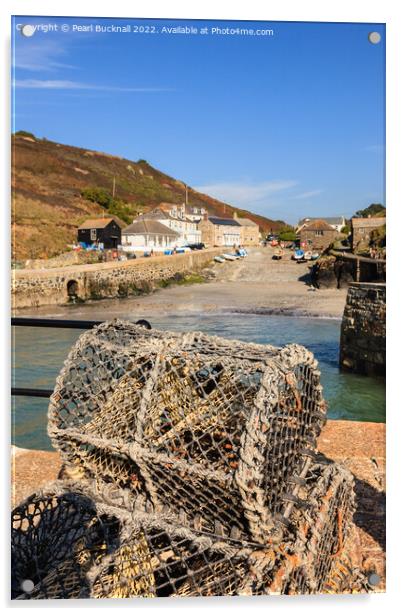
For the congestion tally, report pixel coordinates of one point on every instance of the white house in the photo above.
(147, 235)
(184, 211)
(187, 229)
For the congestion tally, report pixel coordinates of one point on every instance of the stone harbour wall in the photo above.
(31, 288)
(362, 345)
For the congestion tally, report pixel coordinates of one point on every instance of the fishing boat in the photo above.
(278, 254)
(229, 257)
(219, 259)
(298, 255)
(315, 256)
(307, 255)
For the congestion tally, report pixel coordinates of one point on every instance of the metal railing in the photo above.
(61, 324)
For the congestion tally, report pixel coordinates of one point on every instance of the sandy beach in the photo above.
(256, 284)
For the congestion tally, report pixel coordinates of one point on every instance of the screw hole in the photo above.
(373, 579)
(27, 585)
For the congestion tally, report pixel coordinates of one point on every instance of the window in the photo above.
(319, 233)
(93, 235)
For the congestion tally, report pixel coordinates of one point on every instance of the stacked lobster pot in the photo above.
(192, 462)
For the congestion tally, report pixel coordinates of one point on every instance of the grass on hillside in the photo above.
(48, 181)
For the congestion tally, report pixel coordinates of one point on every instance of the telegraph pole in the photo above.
(114, 186)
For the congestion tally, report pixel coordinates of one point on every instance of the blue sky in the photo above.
(287, 126)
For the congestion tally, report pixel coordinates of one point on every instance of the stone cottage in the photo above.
(316, 235)
(217, 231)
(362, 228)
(249, 231)
(336, 222)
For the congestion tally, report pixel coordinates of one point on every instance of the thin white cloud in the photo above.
(241, 194)
(308, 194)
(64, 84)
(48, 56)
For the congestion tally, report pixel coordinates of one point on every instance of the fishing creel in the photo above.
(216, 430)
(67, 543)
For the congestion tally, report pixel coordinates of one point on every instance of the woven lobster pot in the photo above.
(214, 429)
(62, 540)
(71, 545)
(67, 545)
(324, 537)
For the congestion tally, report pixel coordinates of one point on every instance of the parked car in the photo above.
(199, 246)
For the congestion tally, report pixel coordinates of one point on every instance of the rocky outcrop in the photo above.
(331, 272)
(339, 270)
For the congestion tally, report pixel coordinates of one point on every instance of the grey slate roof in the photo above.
(149, 227)
(230, 222)
(334, 220)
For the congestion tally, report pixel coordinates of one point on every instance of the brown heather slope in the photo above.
(47, 181)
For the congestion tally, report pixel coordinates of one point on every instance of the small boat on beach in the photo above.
(315, 256)
(298, 256)
(230, 257)
(219, 259)
(278, 254)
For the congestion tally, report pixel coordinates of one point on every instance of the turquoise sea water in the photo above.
(40, 354)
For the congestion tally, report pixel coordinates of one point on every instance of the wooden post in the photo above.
(357, 270)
